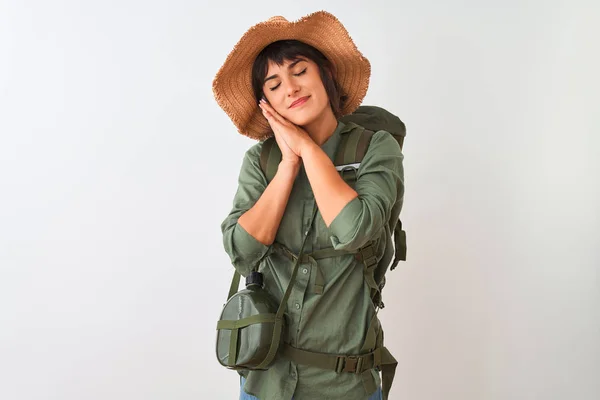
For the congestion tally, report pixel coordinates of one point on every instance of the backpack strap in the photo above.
(367, 254)
(312, 258)
(388, 366)
(270, 157)
(399, 245)
(351, 151)
(353, 145)
(384, 360)
(379, 358)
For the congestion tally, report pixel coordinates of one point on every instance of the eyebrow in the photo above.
(292, 65)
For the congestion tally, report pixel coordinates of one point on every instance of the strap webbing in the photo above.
(282, 306)
(270, 156)
(319, 285)
(277, 318)
(244, 322)
(388, 366)
(363, 144)
(273, 162)
(339, 156)
(388, 371)
(339, 363)
(264, 154)
(317, 254)
(399, 245)
(351, 146)
(369, 258)
(359, 364)
(235, 284)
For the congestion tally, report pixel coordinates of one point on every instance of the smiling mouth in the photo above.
(300, 101)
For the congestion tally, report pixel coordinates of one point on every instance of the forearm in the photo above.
(332, 194)
(263, 219)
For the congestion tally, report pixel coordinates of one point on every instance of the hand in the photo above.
(294, 137)
(287, 155)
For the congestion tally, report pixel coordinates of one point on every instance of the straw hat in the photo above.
(232, 86)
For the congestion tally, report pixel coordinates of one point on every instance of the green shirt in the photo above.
(335, 321)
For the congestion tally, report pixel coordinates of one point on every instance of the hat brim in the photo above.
(232, 86)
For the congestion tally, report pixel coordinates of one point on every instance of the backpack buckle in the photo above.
(367, 255)
(352, 364)
(350, 169)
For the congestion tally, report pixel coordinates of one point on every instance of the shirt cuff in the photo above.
(248, 247)
(344, 226)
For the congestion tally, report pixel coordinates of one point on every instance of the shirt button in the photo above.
(297, 306)
(305, 271)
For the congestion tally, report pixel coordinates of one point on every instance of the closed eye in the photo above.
(298, 74)
(301, 72)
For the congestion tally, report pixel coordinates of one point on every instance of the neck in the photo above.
(322, 127)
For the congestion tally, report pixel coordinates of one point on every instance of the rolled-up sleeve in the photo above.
(243, 249)
(379, 184)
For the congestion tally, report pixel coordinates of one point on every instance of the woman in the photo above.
(294, 81)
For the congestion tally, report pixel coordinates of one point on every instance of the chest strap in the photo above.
(366, 254)
(317, 255)
(311, 258)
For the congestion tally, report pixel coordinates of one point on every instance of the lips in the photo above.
(299, 102)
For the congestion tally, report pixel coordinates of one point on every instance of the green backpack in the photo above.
(361, 126)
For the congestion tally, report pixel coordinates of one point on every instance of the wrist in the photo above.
(290, 168)
(307, 147)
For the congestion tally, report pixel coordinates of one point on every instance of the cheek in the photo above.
(323, 99)
(281, 110)
(322, 94)
(277, 103)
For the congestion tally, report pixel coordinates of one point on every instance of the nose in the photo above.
(292, 88)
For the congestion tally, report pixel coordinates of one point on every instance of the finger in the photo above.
(273, 122)
(265, 112)
(274, 113)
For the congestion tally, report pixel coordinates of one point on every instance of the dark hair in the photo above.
(291, 50)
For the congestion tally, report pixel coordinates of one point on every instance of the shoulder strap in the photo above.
(353, 145)
(270, 157)
(351, 151)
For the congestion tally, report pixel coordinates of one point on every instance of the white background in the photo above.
(117, 168)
